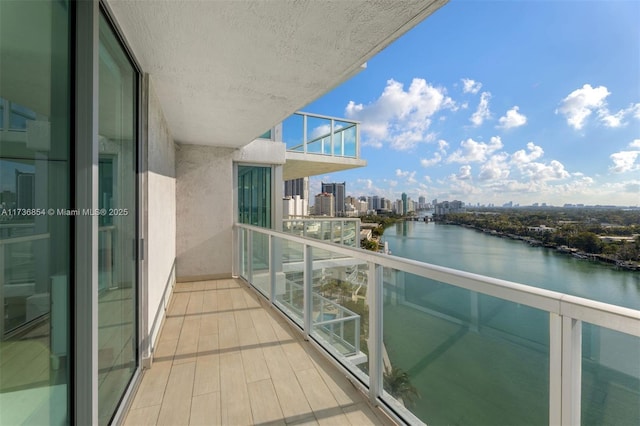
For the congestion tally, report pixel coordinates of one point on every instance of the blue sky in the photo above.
(497, 101)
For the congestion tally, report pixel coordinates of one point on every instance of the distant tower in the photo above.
(404, 203)
(324, 205)
(339, 193)
(295, 187)
(422, 202)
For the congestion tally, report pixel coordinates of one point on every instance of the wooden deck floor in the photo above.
(224, 359)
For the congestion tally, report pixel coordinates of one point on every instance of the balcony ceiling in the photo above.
(226, 71)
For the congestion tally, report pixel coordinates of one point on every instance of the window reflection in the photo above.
(34, 244)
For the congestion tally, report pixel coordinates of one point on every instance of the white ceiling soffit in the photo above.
(227, 71)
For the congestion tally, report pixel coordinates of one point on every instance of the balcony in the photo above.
(334, 230)
(223, 358)
(318, 144)
(443, 346)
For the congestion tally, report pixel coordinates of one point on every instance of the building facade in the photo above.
(339, 191)
(324, 205)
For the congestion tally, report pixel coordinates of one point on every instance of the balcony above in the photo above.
(319, 145)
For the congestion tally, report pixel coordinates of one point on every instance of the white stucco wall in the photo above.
(204, 206)
(161, 238)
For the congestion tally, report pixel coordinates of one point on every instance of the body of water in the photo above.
(472, 251)
(476, 359)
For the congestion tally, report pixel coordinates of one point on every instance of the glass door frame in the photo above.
(84, 283)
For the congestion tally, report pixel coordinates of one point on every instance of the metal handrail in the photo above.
(539, 298)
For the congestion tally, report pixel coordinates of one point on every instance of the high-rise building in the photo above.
(375, 203)
(405, 206)
(339, 193)
(298, 186)
(324, 205)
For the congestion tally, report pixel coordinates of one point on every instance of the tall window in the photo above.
(254, 195)
(35, 261)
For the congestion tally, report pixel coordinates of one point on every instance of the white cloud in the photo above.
(428, 162)
(543, 172)
(366, 183)
(522, 157)
(400, 118)
(512, 119)
(496, 168)
(580, 103)
(618, 119)
(443, 146)
(475, 152)
(482, 112)
(464, 173)
(409, 176)
(625, 161)
(470, 86)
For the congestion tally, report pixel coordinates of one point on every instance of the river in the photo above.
(472, 251)
(480, 360)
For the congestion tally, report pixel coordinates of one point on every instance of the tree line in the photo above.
(576, 228)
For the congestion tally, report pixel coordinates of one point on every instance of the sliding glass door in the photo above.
(117, 259)
(35, 264)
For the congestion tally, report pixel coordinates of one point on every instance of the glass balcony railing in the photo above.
(333, 230)
(436, 345)
(317, 134)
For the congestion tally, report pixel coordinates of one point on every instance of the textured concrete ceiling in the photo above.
(226, 71)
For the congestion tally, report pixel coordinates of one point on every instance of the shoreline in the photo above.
(571, 251)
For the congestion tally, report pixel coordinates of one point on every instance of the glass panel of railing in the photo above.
(344, 139)
(293, 227)
(289, 272)
(610, 377)
(260, 262)
(293, 132)
(450, 359)
(350, 233)
(340, 313)
(318, 135)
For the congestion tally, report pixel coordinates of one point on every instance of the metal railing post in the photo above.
(376, 364)
(357, 335)
(307, 309)
(304, 132)
(331, 135)
(571, 370)
(555, 369)
(250, 256)
(272, 269)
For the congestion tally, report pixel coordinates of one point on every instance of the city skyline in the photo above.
(491, 102)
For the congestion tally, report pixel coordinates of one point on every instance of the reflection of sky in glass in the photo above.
(319, 132)
(8, 173)
(19, 116)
